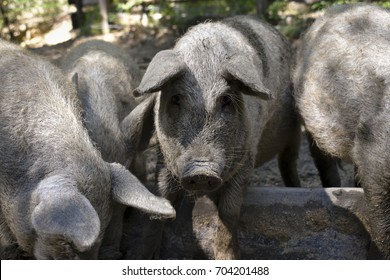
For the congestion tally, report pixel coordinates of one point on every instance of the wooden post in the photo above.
(3, 12)
(104, 13)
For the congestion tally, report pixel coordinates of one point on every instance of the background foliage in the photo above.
(23, 19)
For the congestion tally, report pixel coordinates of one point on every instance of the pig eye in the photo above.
(226, 101)
(175, 100)
(227, 105)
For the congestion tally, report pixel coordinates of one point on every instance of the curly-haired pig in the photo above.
(56, 192)
(221, 104)
(342, 83)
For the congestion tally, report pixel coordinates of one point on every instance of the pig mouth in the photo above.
(200, 176)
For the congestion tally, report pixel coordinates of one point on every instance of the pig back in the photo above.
(40, 123)
(342, 75)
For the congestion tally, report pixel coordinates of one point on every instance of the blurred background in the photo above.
(36, 23)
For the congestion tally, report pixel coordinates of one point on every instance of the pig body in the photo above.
(56, 192)
(342, 91)
(105, 78)
(222, 105)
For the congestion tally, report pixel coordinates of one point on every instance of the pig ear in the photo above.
(138, 126)
(241, 69)
(61, 210)
(128, 190)
(165, 66)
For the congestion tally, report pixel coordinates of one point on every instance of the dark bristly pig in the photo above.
(56, 192)
(342, 83)
(221, 103)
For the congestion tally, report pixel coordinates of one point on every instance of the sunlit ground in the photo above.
(61, 32)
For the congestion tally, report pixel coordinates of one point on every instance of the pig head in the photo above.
(201, 120)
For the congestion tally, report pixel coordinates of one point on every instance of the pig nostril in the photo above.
(200, 182)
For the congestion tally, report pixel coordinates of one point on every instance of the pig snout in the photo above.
(200, 176)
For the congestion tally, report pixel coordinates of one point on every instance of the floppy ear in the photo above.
(128, 190)
(165, 66)
(240, 68)
(62, 210)
(138, 126)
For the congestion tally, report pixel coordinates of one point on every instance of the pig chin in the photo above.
(202, 176)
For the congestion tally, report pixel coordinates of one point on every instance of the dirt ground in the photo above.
(142, 45)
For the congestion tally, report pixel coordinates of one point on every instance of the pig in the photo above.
(105, 77)
(220, 103)
(56, 192)
(342, 91)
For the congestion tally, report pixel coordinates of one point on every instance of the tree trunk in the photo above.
(78, 16)
(104, 13)
(3, 12)
(261, 6)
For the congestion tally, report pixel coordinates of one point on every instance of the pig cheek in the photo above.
(233, 143)
(171, 150)
(168, 136)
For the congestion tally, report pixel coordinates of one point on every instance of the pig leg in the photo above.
(141, 236)
(110, 249)
(152, 229)
(184, 205)
(326, 165)
(287, 161)
(374, 176)
(229, 201)
(371, 157)
(152, 232)
(378, 198)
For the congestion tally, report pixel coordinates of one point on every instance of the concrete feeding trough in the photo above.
(277, 223)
